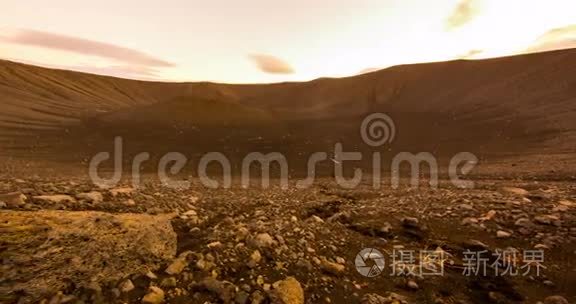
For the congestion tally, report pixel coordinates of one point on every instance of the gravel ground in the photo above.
(287, 245)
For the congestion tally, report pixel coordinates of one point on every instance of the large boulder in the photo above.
(44, 251)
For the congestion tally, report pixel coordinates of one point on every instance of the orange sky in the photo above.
(269, 41)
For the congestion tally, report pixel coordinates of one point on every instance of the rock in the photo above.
(179, 264)
(263, 240)
(122, 192)
(95, 246)
(465, 207)
(503, 234)
(412, 285)
(55, 199)
(489, 215)
(333, 268)
(257, 297)
(469, 221)
(560, 208)
(392, 298)
(287, 291)
(223, 289)
(215, 245)
(13, 199)
(126, 286)
(169, 282)
(545, 219)
(410, 222)
(515, 191)
(372, 298)
(474, 245)
(93, 197)
(241, 297)
(154, 296)
(556, 300)
(255, 258)
(523, 222)
(317, 219)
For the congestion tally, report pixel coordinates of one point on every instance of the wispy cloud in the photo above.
(556, 39)
(85, 47)
(271, 64)
(471, 54)
(464, 12)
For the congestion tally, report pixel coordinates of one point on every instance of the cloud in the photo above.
(471, 54)
(272, 65)
(369, 70)
(465, 11)
(85, 47)
(556, 39)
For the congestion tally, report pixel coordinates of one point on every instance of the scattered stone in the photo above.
(545, 219)
(287, 291)
(255, 259)
(410, 222)
(93, 197)
(241, 297)
(412, 285)
(13, 199)
(372, 298)
(169, 282)
(154, 296)
(178, 264)
(126, 286)
(474, 245)
(523, 222)
(489, 215)
(317, 219)
(55, 199)
(124, 192)
(556, 300)
(223, 289)
(257, 297)
(263, 240)
(215, 245)
(515, 191)
(332, 268)
(503, 234)
(469, 221)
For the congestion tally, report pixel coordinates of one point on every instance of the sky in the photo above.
(261, 41)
